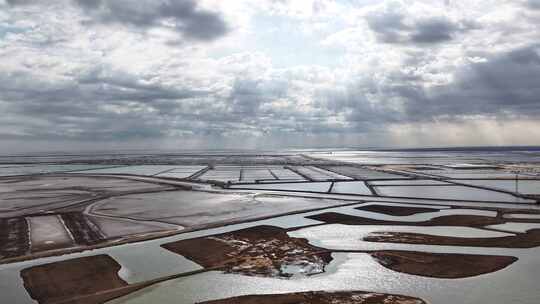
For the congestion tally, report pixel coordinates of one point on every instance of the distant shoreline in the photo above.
(274, 151)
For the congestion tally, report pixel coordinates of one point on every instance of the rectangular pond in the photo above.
(448, 193)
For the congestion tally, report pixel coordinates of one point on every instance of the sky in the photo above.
(268, 74)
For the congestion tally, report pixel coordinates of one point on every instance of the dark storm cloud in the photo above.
(94, 85)
(102, 104)
(89, 4)
(189, 20)
(359, 111)
(505, 84)
(533, 4)
(106, 105)
(122, 86)
(183, 16)
(391, 27)
(19, 2)
(433, 31)
(248, 95)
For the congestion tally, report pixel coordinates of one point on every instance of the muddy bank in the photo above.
(83, 230)
(321, 297)
(73, 229)
(257, 251)
(441, 265)
(396, 210)
(447, 220)
(65, 281)
(13, 238)
(529, 239)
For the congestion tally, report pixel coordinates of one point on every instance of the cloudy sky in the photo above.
(178, 74)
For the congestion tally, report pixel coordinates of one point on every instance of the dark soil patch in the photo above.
(13, 237)
(396, 210)
(441, 265)
(84, 231)
(529, 239)
(66, 281)
(321, 297)
(447, 220)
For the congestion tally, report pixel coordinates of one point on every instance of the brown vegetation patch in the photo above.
(83, 230)
(529, 239)
(396, 210)
(521, 212)
(441, 265)
(321, 297)
(447, 220)
(66, 281)
(13, 237)
(256, 251)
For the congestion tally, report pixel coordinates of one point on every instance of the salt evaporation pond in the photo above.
(523, 186)
(351, 187)
(312, 187)
(449, 193)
